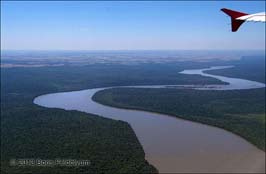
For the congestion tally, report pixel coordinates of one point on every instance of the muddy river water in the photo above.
(175, 145)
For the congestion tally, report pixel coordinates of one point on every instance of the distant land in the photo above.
(21, 58)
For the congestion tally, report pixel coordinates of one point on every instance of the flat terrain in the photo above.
(237, 111)
(250, 68)
(29, 131)
(26, 128)
(110, 146)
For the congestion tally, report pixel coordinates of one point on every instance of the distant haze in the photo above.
(24, 58)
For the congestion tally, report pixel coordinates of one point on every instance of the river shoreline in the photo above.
(175, 153)
(174, 116)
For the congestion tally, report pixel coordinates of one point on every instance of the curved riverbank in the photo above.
(234, 83)
(229, 113)
(171, 144)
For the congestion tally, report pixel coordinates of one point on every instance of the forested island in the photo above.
(239, 111)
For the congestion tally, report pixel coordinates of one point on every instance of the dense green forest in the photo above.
(66, 78)
(239, 111)
(30, 131)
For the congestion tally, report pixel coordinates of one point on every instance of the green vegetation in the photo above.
(111, 146)
(239, 111)
(66, 78)
(30, 131)
(251, 68)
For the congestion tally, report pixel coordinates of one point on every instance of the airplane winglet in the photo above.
(235, 23)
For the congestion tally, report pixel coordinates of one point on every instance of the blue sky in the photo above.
(46, 25)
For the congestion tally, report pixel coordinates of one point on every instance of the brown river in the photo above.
(175, 145)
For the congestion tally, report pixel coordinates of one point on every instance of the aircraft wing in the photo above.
(238, 18)
(257, 17)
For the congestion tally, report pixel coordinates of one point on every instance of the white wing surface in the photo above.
(257, 17)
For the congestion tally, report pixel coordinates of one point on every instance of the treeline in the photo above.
(239, 111)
